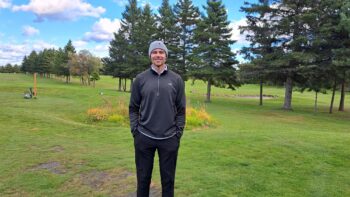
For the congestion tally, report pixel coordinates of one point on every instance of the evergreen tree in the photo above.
(115, 64)
(187, 17)
(129, 48)
(292, 49)
(168, 32)
(32, 61)
(59, 62)
(319, 74)
(129, 27)
(8, 68)
(25, 65)
(64, 68)
(146, 31)
(69, 47)
(328, 43)
(214, 61)
(342, 52)
(44, 60)
(261, 37)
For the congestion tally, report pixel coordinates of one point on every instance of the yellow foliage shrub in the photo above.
(98, 114)
(198, 118)
(118, 113)
(118, 119)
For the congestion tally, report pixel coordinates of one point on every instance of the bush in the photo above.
(198, 118)
(118, 113)
(118, 119)
(98, 114)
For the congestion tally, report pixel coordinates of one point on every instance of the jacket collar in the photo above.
(153, 68)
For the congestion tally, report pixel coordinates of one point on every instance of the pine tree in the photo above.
(44, 60)
(69, 47)
(130, 21)
(342, 52)
(32, 62)
(64, 68)
(146, 31)
(168, 31)
(25, 65)
(329, 44)
(187, 17)
(292, 49)
(261, 37)
(59, 61)
(115, 64)
(318, 74)
(129, 48)
(213, 58)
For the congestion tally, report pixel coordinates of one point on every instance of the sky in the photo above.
(27, 25)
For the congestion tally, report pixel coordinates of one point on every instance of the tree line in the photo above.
(199, 44)
(64, 63)
(292, 43)
(303, 44)
(9, 68)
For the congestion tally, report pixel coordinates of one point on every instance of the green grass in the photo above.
(253, 151)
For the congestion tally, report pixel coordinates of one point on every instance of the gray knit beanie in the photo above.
(157, 45)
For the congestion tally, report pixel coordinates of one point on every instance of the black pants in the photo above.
(145, 148)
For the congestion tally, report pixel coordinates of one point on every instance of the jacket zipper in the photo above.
(158, 85)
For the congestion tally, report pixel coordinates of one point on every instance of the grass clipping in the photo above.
(196, 118)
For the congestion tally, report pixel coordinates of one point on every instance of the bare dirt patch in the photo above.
(247, 96)
(115, 182)
(265, 96)
(53, 166)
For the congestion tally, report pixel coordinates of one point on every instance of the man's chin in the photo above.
(158, 64)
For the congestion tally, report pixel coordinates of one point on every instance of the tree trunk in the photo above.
(332, 100)
(208, 91)
(288, 94)
(131, 82)
(124, 87)
(315, 108)
(261, 93)
(342, 96)
(120, 84)
(67, 79)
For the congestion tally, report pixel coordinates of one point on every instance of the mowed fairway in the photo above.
(49, 148)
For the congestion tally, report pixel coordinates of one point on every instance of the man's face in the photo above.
(158, 57)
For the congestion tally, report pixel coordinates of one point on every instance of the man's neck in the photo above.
(159, 69)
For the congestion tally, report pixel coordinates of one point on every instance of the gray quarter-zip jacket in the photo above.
(157, 105)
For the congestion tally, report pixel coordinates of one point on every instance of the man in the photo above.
(157, 112)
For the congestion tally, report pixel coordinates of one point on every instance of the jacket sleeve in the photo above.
(134, 106)
(180, 108)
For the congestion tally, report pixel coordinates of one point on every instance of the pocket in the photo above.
(136, 133)
(178, 135)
